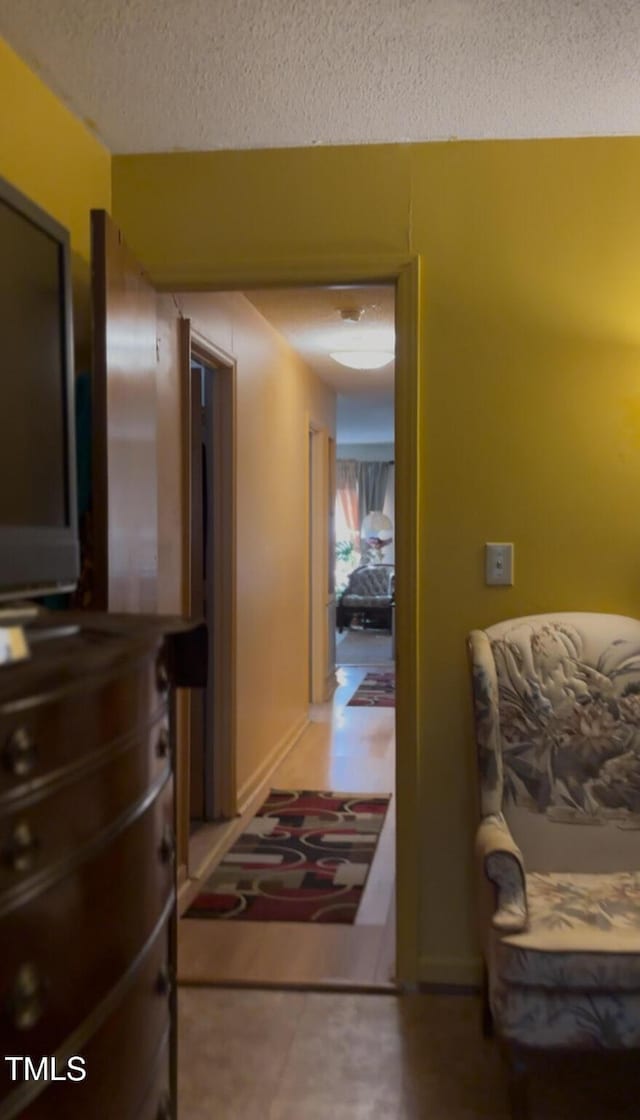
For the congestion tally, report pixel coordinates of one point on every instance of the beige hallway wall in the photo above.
(277, 397)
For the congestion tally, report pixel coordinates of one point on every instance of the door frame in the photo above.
(223, 553)
(404, 270)
(318, 534)
(195, 518)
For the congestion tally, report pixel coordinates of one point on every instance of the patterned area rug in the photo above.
(377, 690)
(305, 857)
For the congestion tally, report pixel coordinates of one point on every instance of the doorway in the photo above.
(202, 791)
(404, 270)
(208, 380)
(289, 439)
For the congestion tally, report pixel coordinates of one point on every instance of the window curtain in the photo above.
(389, 508)
(372, 487)
(347, 496)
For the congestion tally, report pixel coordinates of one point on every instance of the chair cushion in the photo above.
(583, 933)
(573, 1020)
(366, 600)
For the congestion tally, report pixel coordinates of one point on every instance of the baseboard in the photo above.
(330, 685)
(342, 986)
(450, 972)
(220, 836)
(250, 788)
(223, 834)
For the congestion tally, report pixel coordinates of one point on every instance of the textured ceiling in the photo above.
(310, 320)
(158, 75)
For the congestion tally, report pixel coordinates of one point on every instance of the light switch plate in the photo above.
(498, 564)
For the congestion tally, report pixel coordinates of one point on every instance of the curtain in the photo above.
(389, 508)
(372, 487)
(361, 488)
(347, 496)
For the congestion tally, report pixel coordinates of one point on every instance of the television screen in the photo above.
(33, 383)
(38, 537)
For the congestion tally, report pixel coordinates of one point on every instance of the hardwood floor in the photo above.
(364, 647)
(345, 749)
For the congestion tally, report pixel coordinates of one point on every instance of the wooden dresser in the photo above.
(87, 895)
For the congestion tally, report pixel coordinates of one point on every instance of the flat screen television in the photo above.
(39, 550)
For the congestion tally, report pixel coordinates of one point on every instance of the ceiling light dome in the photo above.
(362, 359)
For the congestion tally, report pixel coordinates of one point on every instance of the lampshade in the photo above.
(376, 535)
(362, 359)
(376, 524)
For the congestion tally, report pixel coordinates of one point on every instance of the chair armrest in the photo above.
(502, 864)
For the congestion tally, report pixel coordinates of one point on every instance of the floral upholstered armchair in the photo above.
(557, 724)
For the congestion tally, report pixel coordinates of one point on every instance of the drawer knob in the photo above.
(162, 746)
(27, 998)
(20, 753)
(163, 981)
(164, 1108)
(22, 847)
(168, 845)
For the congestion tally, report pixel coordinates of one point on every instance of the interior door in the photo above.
(125, 526)
(203, 792)
(125, 469)
(208, 379)
(198, 529)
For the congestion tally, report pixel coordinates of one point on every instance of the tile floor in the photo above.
(269, 1055)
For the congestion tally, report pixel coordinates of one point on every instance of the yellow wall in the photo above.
(276, 397)
(531, 332)
(49, 155)
(531, 406)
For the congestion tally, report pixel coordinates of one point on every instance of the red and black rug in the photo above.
(377, 690)
(305, 857)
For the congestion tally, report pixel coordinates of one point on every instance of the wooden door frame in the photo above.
(223, 556)
(332, 678)
(195, 514)
(317, 538)
(404, 270)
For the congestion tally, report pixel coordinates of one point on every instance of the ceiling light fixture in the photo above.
(362, 359)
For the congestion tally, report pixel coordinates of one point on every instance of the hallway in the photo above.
(348, 749)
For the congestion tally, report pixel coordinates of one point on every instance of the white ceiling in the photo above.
(311, 321)
(159, 75)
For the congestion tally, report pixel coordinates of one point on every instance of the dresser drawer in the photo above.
(66, 948)
(157, 1103)
(40, 737)
(126, 1060)
(49, 825)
